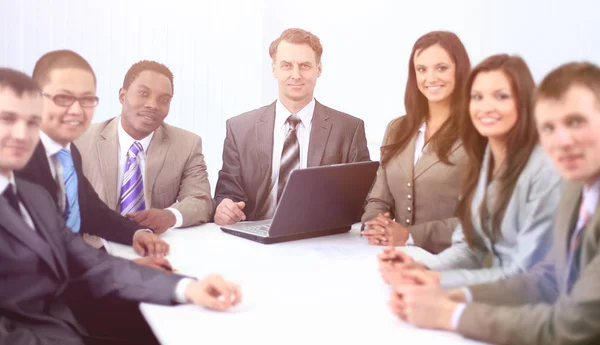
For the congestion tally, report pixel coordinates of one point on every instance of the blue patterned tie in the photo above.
(132, 188)
(72, 216)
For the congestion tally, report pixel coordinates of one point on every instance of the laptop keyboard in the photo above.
(260, 230)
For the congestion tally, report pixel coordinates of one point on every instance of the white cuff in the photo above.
(178, 216)
(410, 241)
(457, 314)
(468, 295)
(179, 294)
(144, 230)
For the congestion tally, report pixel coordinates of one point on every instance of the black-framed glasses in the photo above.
(63, 100)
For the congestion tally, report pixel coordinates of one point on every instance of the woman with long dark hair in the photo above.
(416, 192)
(510, 188)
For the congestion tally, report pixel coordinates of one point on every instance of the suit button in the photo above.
(407, 221)
(408, 185)
(409, 197)
(409, 209)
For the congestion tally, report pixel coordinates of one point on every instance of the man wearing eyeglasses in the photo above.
(42, 261)
(68, 86)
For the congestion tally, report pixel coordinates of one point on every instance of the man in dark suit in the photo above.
(263, 146)
(68, 85)
(558, 300)
(40, 258)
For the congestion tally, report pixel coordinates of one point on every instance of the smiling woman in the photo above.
(422, 156)
(510, 189)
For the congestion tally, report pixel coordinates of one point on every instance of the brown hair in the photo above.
(556, 84)
(298, 36)
(417, 107)
(520, 142)
(59, 59)
(19, 82)
(147, 65)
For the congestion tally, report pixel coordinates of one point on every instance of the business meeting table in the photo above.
(324, 290)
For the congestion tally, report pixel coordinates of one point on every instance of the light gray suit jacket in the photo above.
(536, 307)
(335, 137)
(37, 267)
(526, 230)
(175, 173)
(422, 197)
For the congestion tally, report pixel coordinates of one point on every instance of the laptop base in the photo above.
(286, 238)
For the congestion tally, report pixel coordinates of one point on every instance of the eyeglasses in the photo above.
(63, 100)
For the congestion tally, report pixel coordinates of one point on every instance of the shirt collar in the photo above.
(51, 146)
(125, 140)
(4, 182)
(282, 114)
(590, 197)
(423, 127)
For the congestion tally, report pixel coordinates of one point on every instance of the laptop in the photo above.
(316, 201)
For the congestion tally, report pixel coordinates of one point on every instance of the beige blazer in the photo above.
(422, 197)
(175, 172)
(536, 307)
(335, 138)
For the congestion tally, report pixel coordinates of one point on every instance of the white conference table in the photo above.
(324, 290)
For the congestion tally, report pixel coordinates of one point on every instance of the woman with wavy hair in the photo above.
(414, 198)
(510, 188)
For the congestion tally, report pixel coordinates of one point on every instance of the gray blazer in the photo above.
(37, 267)
(536, 307)
(335, 138)
(526, 230)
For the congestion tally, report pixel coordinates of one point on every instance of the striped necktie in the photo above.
(132, 188)
(290, 156)
(69, 176)
(575, 247)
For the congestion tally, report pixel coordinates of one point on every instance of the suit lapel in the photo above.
(480, 193)
(41, 225)
(565, 223)
(590, 235)
(429, 158)
(16, 226)
(407, 158)
(263, 137)
(38, 171)
(155, 159)
(107, 149)
(319, 135)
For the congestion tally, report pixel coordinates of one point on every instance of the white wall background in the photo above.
(218, 49)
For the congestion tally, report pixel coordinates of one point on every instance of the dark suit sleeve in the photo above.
(359, 152)
(102, 274)
(229, 184)
(12, 334)
(96, 217)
